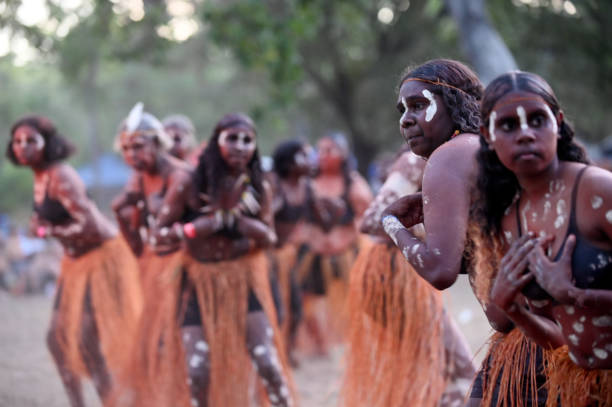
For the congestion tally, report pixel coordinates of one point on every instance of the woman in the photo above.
(545, 214)
(226, 313)
(439, 107)
(400, 338)
(156, 194)
(295, 207)
(323, 272)
(181, 132)
(98, 298)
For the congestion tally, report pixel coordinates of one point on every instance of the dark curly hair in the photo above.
(496, 185)
(284, 156)
(211, 165)
(57, 148)
(461, 97)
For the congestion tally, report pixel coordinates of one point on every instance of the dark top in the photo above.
(349, 214)
(289, 213)
(591, 266)
(52, 211)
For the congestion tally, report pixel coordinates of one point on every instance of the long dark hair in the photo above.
(57, 148)
(461, 95)
(212, 166)
(497, 186)
(284, 156)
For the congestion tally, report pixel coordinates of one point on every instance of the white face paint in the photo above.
(552, 118)
(492, 126)
(405, 110)
(520, 111)
(432, 108)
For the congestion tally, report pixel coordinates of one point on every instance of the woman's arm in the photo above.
(404, 178)
(261, 229)
(67, 187)
(447, 184)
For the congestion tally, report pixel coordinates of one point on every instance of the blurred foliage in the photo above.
(299, 67)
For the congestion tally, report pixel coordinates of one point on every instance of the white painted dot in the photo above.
(596, 201)
(559, 221)
(569, 309)
(186, 336)
(609, 216)
(573, 339)
(284, 391)
(194, 403)
(420, 261)
(578, 327)
(603, 321)
(259, 350)
(600, 353)
(269, 332)
(196, 361)
(539, 304)
(582, 319)
(273, 398)
(609, 347)
(140, 204)
(201, 346)
(437, 251)
(573, 358)
(415, 248)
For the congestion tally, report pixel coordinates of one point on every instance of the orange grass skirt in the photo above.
(222, 291)
(395, 354)
(286, 258)
(511, 360)
(575, 386)
(109, 276)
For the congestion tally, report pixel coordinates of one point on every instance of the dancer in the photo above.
(98, 296)
(226, 312)
(155, 196)
(324, 270)
(398, 326)
(547, 236)
(439, 107)
(182, 133)
(295, 207)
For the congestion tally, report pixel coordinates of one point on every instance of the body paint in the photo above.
(432, 108)
(520, 111)
(596, 202)
(552, 118)
(492, 126)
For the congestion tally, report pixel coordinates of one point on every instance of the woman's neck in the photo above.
(539, 184)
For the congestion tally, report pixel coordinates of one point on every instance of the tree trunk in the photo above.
(484, 47)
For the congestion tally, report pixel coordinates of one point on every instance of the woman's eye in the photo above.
(537, 120)
(507, 125)
(247, 140)
(419, 106)
(232, 137)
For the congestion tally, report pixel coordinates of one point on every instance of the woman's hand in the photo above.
(555, 276)
(408, 209)
(167, 238)
(513, 274)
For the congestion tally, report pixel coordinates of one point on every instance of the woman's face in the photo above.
(28, 146)
(331, 156)
(425, 123)
(523, 131)
(139, 152)
(237, 146)
(301, 162)
(181, 141)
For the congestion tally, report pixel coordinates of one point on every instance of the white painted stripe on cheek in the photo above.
(432, 108)
(520, 111)
(405, 110)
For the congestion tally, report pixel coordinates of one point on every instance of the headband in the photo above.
(437, 82)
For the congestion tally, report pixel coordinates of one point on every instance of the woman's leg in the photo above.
(460, 369)
(92, 354)
(71, 382)
(197, 358)
(265, 356)
(314, 314)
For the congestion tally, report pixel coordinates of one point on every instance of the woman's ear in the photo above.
(484, 131)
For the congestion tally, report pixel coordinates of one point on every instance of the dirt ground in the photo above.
(28, 377)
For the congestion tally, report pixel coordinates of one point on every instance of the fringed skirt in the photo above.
(222, 291)
(513, 372)
(107, 278)
(575, 386)
(395, 354)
